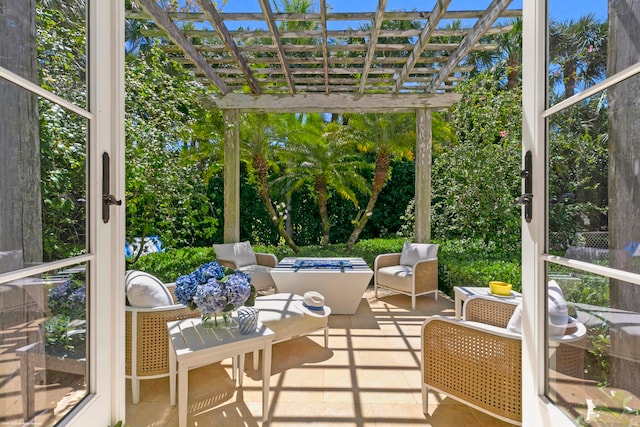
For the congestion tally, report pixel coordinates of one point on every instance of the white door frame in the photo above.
(540, 412)
(106, 402)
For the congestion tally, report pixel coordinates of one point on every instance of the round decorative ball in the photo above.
(248, 320)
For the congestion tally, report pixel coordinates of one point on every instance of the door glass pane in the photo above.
(43, 177)
(594, 161)
(44, 353)
(591, 369)
(44, 42)
(577, 46)
(578, 154)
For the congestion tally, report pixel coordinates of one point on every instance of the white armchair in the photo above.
(412, 272)
(240, 256)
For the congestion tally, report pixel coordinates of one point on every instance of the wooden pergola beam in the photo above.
(336, 16)
(325, 51)
(438, 10)
(216, 20)
(275, 36)
(334, 102)
(163, 20)
(373, 40)
(492, 13)
(253, 34)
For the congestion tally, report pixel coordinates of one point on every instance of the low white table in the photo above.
(342, 281)
(193, 346)
(464, 292)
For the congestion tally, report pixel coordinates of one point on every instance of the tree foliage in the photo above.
(168, 162)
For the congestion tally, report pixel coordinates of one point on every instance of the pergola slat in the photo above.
(438, 10)
(214, 19)
(335, 34)
(162, 20)
(373, 40)
(273, 29)
(325, 54)
(482, 25)
(334, 16)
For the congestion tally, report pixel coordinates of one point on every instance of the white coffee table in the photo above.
(193, 346)
(464, 292)
(342, 281)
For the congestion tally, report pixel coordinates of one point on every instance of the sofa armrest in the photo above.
(268, 260)
(466, 360)
(386, 260)
(425, 275)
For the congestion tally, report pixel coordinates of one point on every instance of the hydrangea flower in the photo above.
(211, 288)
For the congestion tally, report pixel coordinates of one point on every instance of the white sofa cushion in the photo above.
(145, 290)
(414, 252)
(260, 275)
(396, 277)
(241, 253)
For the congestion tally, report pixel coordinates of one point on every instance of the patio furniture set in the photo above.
(461, 357)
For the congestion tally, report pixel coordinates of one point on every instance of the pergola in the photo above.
(299, 63)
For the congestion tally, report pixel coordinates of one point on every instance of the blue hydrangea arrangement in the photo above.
(213, 289)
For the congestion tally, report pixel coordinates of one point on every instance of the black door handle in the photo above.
(108, 199)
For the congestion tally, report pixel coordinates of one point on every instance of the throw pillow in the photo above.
(145, 290)
(414, 252)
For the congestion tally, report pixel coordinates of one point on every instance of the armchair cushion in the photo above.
(396, 277)
(146, 290)
(241, 253)
(414, 252)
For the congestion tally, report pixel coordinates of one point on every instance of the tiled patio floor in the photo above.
(370, 376)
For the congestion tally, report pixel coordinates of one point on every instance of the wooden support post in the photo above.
(423, 176)
(231, 176)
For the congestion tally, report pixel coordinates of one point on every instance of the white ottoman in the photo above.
(280, 313)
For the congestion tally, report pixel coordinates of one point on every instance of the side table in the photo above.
(464, 292)
(193, 346)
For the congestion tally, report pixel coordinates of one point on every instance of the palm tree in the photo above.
(258, 134)
(578, 52)
(324, 163)
(385, 135)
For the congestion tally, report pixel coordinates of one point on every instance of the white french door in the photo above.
(582, 131)
(61, 260)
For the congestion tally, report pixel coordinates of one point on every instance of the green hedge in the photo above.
(461, 263)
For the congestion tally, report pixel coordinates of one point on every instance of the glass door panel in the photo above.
(45, 42)
(593, 256)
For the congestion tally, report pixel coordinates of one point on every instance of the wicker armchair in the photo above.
(240, 256)
(419, 277)
(479, 362)
(147, 341)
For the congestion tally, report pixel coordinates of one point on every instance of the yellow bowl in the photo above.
(500, 288)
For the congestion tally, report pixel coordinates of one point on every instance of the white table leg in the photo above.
(266, 376)
(240, 368)
(172, 374)
(183, 392)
